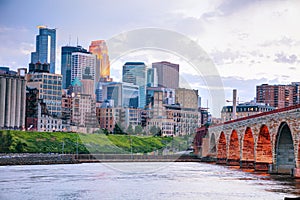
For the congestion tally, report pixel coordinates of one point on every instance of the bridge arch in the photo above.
(212, 144)
(285, 154)
(247, 159)
(234, 149)
(222, 151)
(263, 156)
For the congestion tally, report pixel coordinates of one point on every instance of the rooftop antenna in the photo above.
(77, 41)
(69, 40)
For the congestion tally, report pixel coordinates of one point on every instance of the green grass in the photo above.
(54, 142)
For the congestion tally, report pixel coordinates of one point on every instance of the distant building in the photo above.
(168, 74)
(83, 67)
(102, 69)
(187, 98)
(244, 110)
(171, 119)
(37, 116)
(12, 101)
(49, 86)
(135, 72)
(45, 48)
(278, 96)
(152, 77)
(168, 95)
(66, 63)
(84, 111)
(123, 94)
(99, 88)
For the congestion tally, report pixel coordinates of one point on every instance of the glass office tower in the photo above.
(45, 47)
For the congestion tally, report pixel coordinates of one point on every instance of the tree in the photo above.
(130, 130)
(118, 130)
(20, 147)
(5, 142)
(138, 129)
(153, 130)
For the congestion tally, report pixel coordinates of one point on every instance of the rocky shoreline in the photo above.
(47, 159)
(36, 159)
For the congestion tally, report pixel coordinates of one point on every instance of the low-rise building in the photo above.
(244, 110)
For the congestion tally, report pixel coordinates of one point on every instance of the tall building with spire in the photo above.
(45, 47)
(99, 48)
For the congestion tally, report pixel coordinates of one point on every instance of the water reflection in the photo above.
(174, 181)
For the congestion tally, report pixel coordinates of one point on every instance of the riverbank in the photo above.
(46, 159)
(36, 159)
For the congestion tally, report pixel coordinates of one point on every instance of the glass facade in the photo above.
(66, 63)
(45, 48)
(135, 72)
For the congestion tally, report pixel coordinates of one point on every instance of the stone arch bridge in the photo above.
(266, 141)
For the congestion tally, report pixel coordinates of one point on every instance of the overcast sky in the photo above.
(250, 42)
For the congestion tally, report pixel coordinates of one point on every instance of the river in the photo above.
(141, 180)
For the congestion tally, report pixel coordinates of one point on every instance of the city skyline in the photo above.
(250, 42)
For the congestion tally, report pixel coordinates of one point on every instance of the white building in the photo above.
(83, 67)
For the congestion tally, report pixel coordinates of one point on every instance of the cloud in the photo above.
(283, 41)
(283, 58)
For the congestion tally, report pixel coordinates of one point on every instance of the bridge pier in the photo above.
(233, 162)
(221, 161)
(247, 164)
(296, 172)
(261, 166)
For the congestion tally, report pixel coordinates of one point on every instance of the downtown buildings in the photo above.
(70, 101)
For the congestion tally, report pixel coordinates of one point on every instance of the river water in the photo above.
(141, 180)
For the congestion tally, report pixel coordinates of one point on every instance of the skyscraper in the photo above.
(135, 72)
(99, 48)
(45, 47)
(66, 63)
(83, 67)
(168, 74)
(151, 77)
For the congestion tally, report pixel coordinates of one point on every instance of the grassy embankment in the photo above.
(57, 142)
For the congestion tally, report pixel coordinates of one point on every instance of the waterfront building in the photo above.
(12, 100)
(135, 72)
(244, 110)
(172, 119)
(168, 74)
(108, 116)
(132, 117)
(278, 96)
(49, 86)
(185, 120)
(38, 117)
(102, 69)
(84, 111)
(45, 47)
(80, 107)
(66, 63)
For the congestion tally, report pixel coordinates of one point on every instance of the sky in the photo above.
(250, 42)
